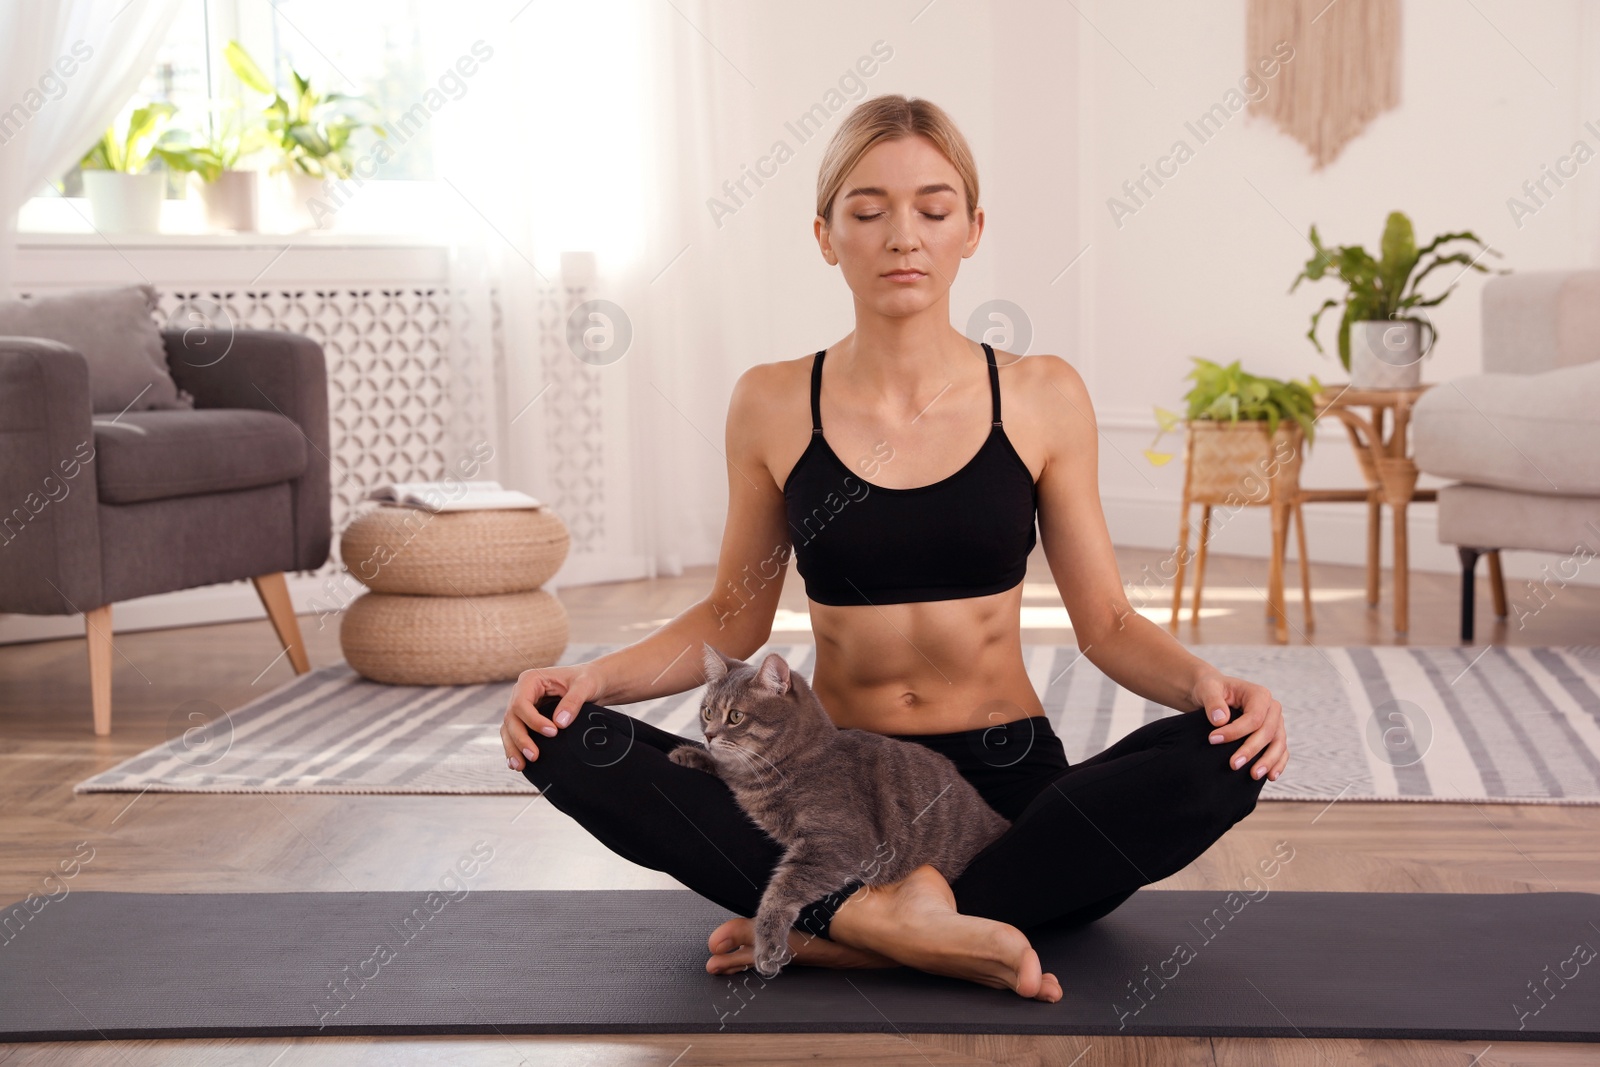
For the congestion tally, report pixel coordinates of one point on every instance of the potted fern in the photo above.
(124, 195)
(1380, 331)
(214, 156)
(311, 132)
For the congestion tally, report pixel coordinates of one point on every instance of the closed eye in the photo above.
(869, 218)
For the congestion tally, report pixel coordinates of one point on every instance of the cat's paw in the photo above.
(772, 946)
(769, 962)
(693, 756)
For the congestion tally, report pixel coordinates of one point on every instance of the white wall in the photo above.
(1203, 268)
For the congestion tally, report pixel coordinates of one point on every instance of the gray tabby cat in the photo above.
(846, 804)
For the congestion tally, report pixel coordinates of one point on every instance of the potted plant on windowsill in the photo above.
(311, 133)
(1380, 331)
(125, 197)
(214, 156)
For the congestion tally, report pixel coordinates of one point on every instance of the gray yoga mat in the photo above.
(1395, 965)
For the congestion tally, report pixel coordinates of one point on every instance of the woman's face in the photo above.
(900, 229)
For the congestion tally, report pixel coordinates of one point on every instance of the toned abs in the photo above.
(923, 668)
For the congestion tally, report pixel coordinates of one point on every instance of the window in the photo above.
(371, 48)
(546, 128)
(179, 77)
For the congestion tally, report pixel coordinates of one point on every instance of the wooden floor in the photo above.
(195, 843)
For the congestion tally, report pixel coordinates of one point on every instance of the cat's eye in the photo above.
(705, 712)
(734, 717)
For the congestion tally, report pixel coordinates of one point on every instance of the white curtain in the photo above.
(574, 169)
(67, 67)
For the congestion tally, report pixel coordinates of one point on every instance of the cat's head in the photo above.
(753, 716)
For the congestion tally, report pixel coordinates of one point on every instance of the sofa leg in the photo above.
(1469, 565)
(97, 629)
(1497, 582)
(274, 594)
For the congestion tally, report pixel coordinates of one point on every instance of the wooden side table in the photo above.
(1390, 474)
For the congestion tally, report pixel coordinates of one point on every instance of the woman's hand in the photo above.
(575, 683)
(1262, 720)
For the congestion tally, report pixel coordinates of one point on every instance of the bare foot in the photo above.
(733, 947)
(915, 922)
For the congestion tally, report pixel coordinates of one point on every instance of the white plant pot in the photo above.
(1387, 354)
(293, 196)
(233, 201)
(125, 203)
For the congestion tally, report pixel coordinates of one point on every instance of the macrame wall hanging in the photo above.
(1344, 73)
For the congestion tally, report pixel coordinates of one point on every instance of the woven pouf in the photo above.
(452, 640)
(454, 553)
(454, 596)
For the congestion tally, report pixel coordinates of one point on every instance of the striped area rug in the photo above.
(1508, 725)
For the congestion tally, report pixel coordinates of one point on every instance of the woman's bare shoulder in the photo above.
(1046, 407)
(769, 411)
(1040, 381)
(765, 391)
(1038, 367)
(777, 373)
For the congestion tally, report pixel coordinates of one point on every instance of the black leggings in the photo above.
(1082, 839)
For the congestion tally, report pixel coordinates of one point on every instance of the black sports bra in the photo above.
(962, 536)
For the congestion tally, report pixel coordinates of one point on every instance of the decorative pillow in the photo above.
(116, 331)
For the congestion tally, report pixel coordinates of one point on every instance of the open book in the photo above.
(478, 495)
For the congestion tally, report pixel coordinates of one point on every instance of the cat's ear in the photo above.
(716, 666)
(774, 674)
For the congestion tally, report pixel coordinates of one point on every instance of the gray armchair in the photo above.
(1521, 441)
(97, 508)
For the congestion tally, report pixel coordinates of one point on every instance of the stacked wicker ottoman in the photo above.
(453, 597)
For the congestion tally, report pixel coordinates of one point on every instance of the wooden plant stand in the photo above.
(1235, 464)
(1389, 472)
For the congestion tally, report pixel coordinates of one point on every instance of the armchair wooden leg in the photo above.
(1497, 582)
(274, 593)
(1469, 564)
(97, 629)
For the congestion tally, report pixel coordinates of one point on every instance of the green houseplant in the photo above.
(124, 195)
(214, 154)
(1227, 393)
(1241, 428)
(220, 146)
(310, 130)
(1245, 439)
(1380, 331)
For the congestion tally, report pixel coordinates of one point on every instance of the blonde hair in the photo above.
(889, 118)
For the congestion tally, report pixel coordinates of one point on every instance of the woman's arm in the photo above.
(1128, 648)
(736, 616)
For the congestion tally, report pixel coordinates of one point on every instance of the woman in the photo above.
(914, 576)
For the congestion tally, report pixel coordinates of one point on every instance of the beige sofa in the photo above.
(1521, 441)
